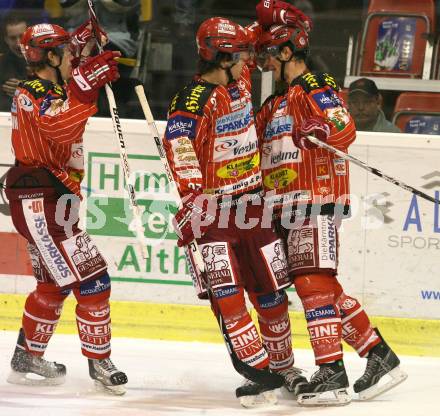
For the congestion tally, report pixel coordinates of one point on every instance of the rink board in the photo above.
(389, 248)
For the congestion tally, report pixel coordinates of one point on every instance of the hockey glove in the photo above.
(270, 12)
(83, 36)
(192, 220)
(314, 126)
(93, 74)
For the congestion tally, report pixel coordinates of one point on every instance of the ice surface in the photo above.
(177, 378)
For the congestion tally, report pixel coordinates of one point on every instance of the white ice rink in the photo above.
(173, 378)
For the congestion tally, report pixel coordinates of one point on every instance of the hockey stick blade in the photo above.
(372, 170)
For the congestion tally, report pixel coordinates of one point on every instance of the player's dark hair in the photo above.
(204, 67)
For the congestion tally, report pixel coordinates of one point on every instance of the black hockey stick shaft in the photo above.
(372, 170)
(247, 371)
(117, 128)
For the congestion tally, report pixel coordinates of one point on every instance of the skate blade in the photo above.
(338, 397)
(397, 376)
(114, 390)
(267, 398)
(31, 379)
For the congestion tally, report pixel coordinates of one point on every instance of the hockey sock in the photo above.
(41, 313)
(242, 331)
(275, 330)
(93, 317)
(356, 327)
(316, 292)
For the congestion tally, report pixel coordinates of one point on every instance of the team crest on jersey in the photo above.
(338, 116)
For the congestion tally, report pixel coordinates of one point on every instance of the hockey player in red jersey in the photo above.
(308, 188)
(212, 148)
(49, 114)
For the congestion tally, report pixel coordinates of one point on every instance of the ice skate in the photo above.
(252, 394)
(107, 377)
(29, 369)
(292, 378)
(327, 387)
(382, 361)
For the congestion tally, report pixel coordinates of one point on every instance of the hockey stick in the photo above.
(117, 128)
(374, 171)
(247, 371)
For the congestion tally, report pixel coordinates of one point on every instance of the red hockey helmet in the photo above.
(221, 35)
(37, 39)
(272, 40)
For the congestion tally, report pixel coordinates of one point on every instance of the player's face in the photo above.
(240, 61)
(273, 64)
(66, 67)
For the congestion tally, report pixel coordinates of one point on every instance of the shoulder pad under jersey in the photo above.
(192, 98)
(312, 81)
(39, 88)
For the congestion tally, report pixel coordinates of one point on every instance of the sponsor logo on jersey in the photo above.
(322, 168)
(225, 292)
(327, 242)
(192, 102)
(25, 103)
(251, 181)
(280, 178)
(234, 93)
(239, 167)
(340, 167)
(183, 151)
(235, 121)
(180, 126)
(282, 109)
(327, 99)
(277, 126)
(218, 265)
(271, 300)
(93, 287)
(227, 148)
(279, 327)
(322, 312)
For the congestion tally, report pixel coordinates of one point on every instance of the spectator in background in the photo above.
(365, 106)
(12, 64)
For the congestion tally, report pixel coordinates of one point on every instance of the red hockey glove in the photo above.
(80, 38)
(192, 220)
(314, 126)
(93, 74)
(270, 12)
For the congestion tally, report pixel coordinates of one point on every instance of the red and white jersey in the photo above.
(210, 138)
(48, 123)
(296, 176)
